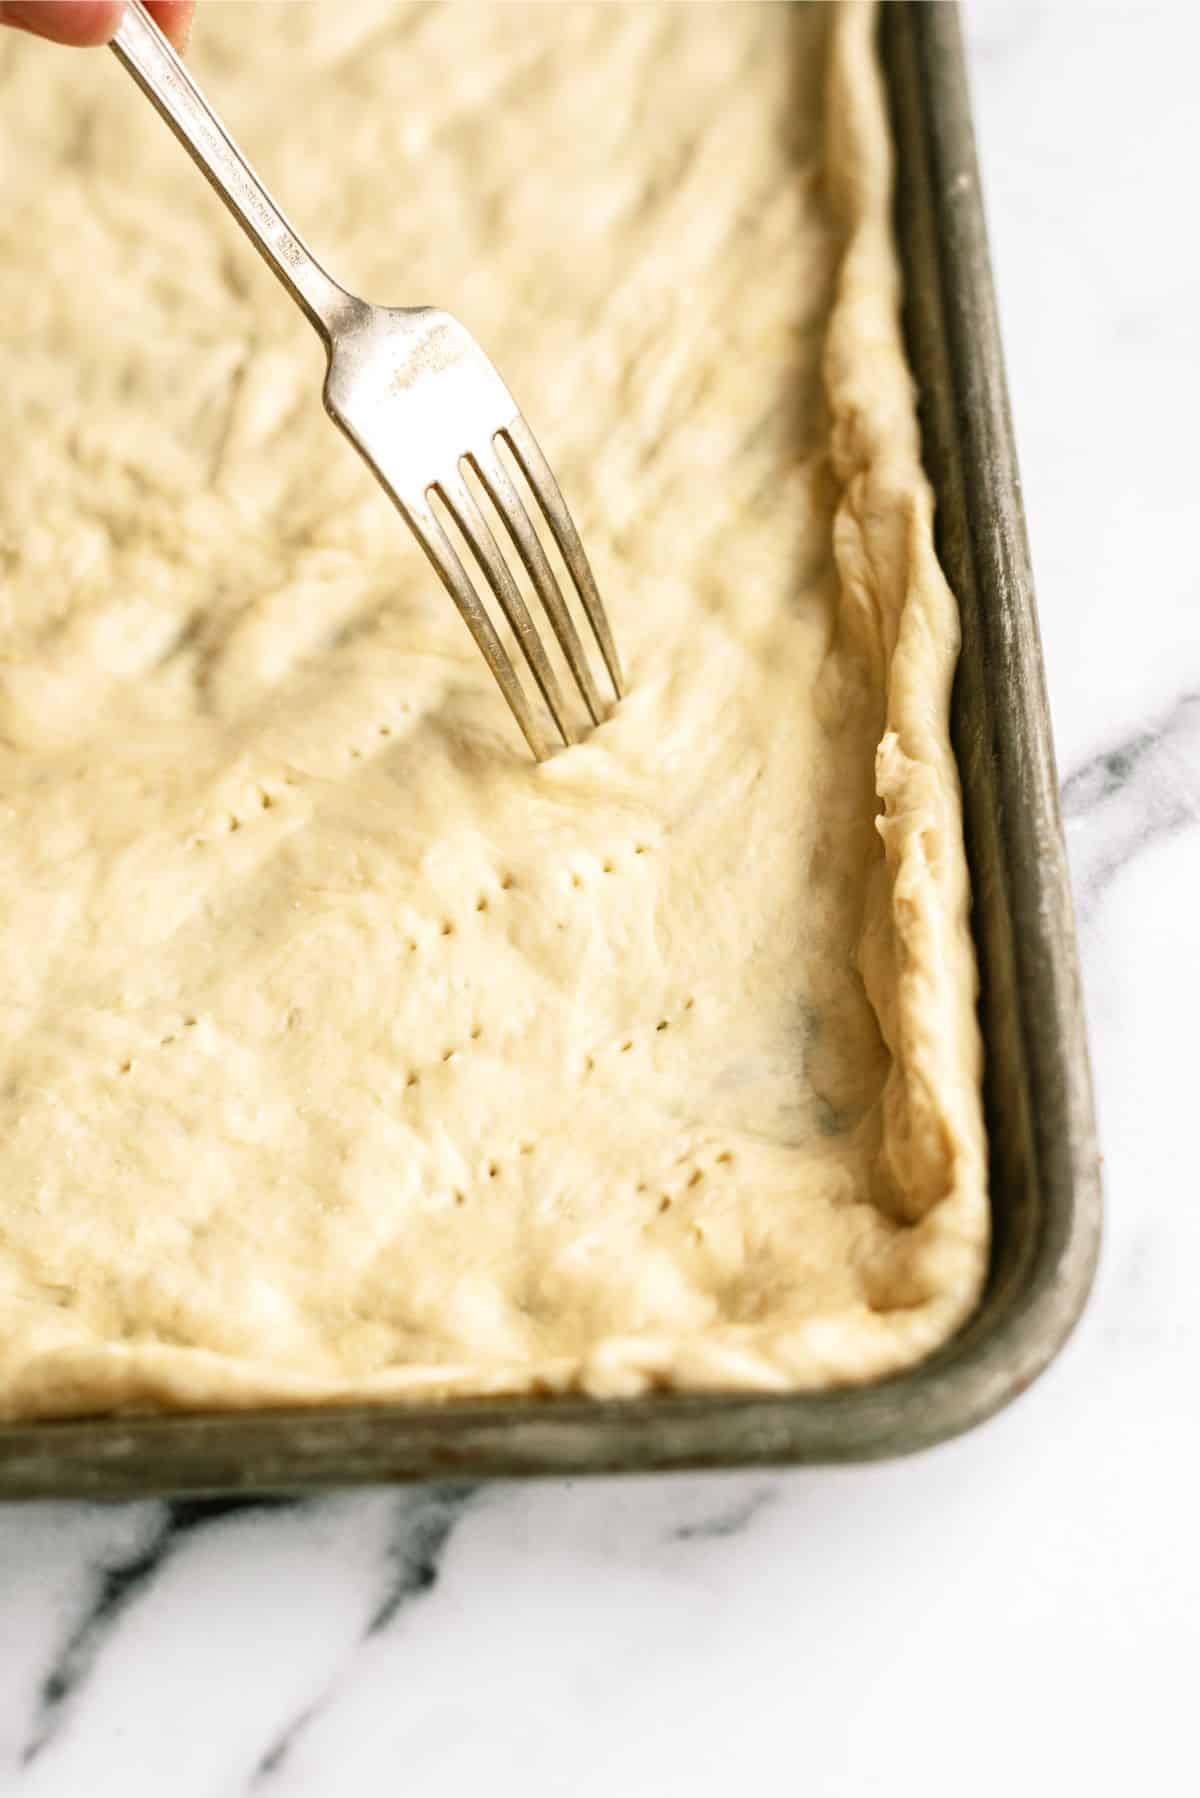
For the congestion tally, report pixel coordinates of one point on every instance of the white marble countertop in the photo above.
(1016, 1612)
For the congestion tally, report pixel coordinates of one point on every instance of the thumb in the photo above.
(85, 22)
(64, 21)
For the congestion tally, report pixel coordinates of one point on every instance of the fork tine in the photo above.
(538, 473)
(441, 553)
(507, 502)
(484, 548)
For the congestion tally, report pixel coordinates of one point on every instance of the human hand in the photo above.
(93, 21)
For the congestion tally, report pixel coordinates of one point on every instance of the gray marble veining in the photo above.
(1129, 797)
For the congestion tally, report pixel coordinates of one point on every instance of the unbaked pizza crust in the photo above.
(345, 1052)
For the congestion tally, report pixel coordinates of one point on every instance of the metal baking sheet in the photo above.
(1044, 1169)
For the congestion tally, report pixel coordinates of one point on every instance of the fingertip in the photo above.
(174, 20)
(82, 23)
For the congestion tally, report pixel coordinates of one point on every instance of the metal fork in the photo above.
(421, 404)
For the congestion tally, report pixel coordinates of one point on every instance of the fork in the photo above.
(421, 403)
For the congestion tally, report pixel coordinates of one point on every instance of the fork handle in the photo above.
(162, 77)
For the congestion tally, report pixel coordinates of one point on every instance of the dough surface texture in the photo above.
(344, 1052)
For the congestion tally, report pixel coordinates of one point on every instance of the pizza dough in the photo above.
(344, 1052)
